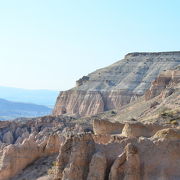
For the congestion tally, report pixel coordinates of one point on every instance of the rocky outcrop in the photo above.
(116, 154)
(121, 158)
(116, 85)
(17, 157)
(165, 79)
(14, 132)
(79, 103)
(127, 129)
(97, 167)
(8, 137)
(169, 133)
(103, 127)
(136, 129)
(130, 150)
(82, 80)
(127, 165)
(23, 142)
(74, 158)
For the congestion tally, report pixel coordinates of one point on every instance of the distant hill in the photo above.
(11, 110)
(41, 97)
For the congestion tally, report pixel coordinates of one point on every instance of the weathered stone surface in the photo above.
(17, 157)
(8, 137)
(80, 157)
(74, 158)
(117, 172)
(116, 85)
(126, 158)
(79, 103)
(97, 167)
(169, 133)
(131, 152)
(127, 165)
(106, 127)
(82, 80)
(137, 129)
(162, 82)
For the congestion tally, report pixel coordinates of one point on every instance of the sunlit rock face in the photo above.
(164, 84)
(121, 157)
(116, 85)
(24, 142)
(16, 157)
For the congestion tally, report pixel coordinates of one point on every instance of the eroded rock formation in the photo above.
(97, 167)
(121, 158)
(118, 84)
(165, 79)
(122, 151)
(103, 127)
(120, 146)
(17, 157)
(79, 103)
(74, 157)
(127, 165)
(24, 142)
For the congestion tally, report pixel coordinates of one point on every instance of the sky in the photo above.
(49, 44)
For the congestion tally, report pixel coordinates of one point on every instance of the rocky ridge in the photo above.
(112, 145)
(122, 156)
(24, 142)
(116, 85)
(161, 102)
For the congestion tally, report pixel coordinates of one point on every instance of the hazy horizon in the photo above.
(51, 44)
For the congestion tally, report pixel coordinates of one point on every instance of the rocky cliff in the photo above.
(167, 80)
(116, 85)
(110, 145)
(125, 156)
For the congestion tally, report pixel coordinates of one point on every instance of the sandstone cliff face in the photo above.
(116, 85)
(79, 102)
(165, 80)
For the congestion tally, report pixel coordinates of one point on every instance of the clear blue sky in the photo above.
(49, 44)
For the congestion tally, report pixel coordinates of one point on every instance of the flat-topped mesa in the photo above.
(116, 85)
(168, 53)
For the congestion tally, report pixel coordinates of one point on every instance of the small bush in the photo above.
(113, 112)
(167, 114)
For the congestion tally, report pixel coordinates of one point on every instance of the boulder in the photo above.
(135, 129)
(169, 133)
(104, 127)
